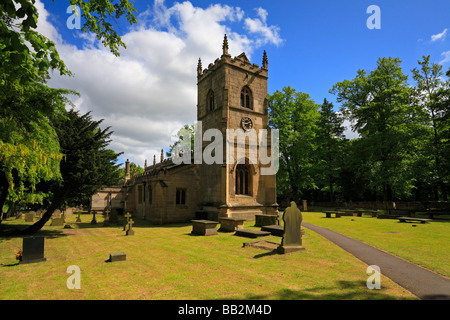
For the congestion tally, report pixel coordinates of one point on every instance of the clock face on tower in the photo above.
(246, 123)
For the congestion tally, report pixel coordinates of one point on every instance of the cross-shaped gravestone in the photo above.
(129, 228)
(128, 216)
(79, 216)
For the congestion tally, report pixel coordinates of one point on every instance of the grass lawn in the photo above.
(425, 244)
(166, 262)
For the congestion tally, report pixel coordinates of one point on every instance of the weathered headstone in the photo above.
(292, 237)
(305, 205)
(29, 216)
(117, 256)
(56, 213)
(58, 222)
(79, 216)
(33, 249)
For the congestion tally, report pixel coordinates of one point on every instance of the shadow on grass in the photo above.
(347, 290)
(7, 232)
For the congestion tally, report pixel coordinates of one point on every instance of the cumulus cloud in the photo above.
(439, 36)
(149, 92)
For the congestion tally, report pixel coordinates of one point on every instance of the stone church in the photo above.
(232, 94)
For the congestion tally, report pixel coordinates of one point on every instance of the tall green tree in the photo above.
(295, 115)
(87, 163)
(379, 104)
(330, 141)
(430, 94)
(28, 146)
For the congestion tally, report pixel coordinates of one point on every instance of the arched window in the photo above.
(210, 100)
(242, 179)
(246, 98)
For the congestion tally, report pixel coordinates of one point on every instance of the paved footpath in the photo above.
(421, 282)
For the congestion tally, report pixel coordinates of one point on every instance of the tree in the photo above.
(379, 103)
(430, 96)
(29, 147)
(329, 139)
(295, 115)
(87, 163)
(27, 155)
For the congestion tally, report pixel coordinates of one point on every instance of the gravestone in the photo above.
(129, 228)
(56, 213)
(118, 256)
(57, 222)
(94, 220)
(79, 216)
(204, 227)
(127, 216)
(305, 205)
(292, 237)
(29, 216)
(33, 249)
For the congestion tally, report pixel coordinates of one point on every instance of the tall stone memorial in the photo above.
(292, 237)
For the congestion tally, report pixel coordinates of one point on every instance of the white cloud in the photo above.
(258, 26)
(150, 91)
(439, 36)
(446, 56)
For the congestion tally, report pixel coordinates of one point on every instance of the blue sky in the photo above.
(311, 45)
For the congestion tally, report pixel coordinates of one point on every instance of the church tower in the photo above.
(232, 94)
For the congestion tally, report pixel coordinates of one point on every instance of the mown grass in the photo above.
(166, 262)
(425, 244)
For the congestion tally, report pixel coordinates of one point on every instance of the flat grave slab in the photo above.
(275, 230)
(250, 233)
(262, 244)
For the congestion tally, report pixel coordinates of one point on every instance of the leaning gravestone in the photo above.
(33, 249)
(292, 237)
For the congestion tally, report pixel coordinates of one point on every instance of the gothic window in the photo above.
(210, 101)
(181, 196)
(246, 98)
(242, 179)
